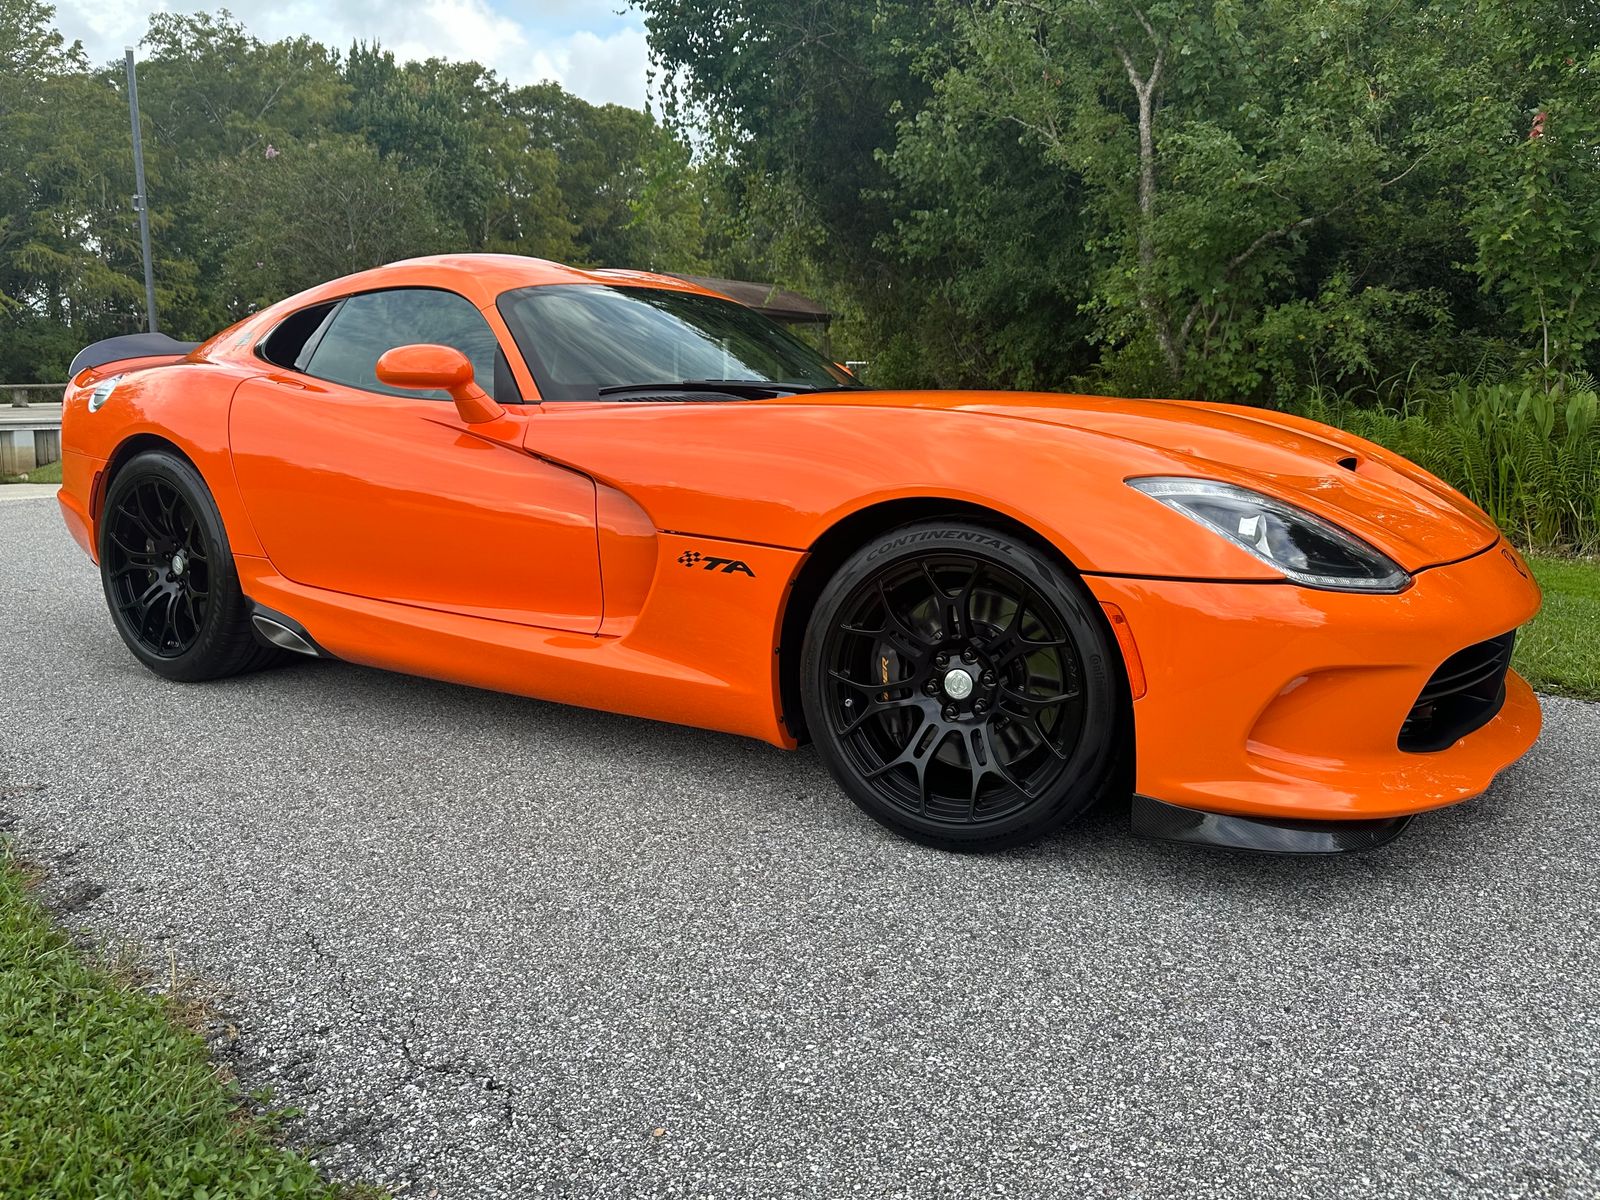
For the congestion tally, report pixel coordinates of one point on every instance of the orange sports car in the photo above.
(984, 609)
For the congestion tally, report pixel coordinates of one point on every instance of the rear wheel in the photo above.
(959, 685)
(169, 577)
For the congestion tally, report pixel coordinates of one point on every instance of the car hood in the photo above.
(1388, 501)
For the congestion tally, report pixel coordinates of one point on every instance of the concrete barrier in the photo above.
(29, 437)
(21, 450)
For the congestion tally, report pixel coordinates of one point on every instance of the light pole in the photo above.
(139, 200)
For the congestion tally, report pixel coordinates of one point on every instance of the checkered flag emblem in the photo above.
(689, 557)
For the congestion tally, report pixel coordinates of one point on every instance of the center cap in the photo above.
(957, 684)
(179, 562)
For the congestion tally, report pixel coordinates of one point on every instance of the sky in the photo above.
(585, 45)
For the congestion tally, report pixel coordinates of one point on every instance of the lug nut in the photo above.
(951, 712)
(969, 655)
(931, 687)
(988, 679)
(981, 707)
(941, 660)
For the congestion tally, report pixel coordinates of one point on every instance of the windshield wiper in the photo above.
(751, 389)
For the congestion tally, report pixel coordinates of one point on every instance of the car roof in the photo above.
(482, 277)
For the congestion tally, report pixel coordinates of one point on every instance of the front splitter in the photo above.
(1157, 819)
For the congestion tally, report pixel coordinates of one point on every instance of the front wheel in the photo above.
(960, 687)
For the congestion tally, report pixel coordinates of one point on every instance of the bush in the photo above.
(1529, 458)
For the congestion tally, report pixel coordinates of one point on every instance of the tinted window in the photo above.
(579, 338)
(366, 326)
(291, 343)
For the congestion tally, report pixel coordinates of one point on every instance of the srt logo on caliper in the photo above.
(728, 566)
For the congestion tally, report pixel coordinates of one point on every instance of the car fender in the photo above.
(183, 404)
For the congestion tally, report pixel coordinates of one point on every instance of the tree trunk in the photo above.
(1147, 89)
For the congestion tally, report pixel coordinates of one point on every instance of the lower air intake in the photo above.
(1463, 695)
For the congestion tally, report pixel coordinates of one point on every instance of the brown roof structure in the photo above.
(778, 303)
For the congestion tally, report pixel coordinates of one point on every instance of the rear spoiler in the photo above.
(131, 345)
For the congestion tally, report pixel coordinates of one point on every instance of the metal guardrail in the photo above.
(47, 393)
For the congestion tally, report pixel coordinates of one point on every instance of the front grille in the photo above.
(1463, 695)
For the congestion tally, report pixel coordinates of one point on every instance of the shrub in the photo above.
(1527, 457)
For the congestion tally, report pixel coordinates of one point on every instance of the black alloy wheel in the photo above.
(959, 684)
(157, 567)
(169, 576)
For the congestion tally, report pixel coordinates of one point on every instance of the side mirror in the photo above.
(431, 368)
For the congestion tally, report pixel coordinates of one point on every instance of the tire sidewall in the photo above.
(1092, 756)
(226, 604)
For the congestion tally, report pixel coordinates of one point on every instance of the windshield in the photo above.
(581, 338)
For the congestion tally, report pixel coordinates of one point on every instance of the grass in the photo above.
(1560, 651)
(50, 473)
(105, 1092)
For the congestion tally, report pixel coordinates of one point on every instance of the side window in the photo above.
(363, 327)
(291, 343)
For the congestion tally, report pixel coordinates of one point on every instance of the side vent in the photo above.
(278, 630)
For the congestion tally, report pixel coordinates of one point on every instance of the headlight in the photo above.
(1307, 549)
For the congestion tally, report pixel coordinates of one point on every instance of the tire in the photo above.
(962, 688)
(169, 577)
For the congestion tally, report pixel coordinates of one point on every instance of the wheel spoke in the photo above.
(916, 754)
(995, 766)
(951, 624)
(1037, 729)
(1035, 704)
(168, 620)
(893, 685)
(874, 708)
(143, 599)
(974, 747)
(148, 517)
(131, 551)
(169, 511)
(912, 643)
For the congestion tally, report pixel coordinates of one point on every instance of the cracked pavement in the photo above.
(493, 947)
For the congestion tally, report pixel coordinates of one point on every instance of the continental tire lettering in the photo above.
(970, 536)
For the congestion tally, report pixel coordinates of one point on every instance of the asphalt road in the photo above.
(492, 946)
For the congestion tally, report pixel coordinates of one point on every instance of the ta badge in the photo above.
(706, 562)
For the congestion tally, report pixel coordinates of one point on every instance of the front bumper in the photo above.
(1278, 702)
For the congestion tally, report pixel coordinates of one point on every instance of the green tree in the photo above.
(1536, 211)
(312, 212)
(624, 179)
(66, 229)
(1215, 143)
(452, 123)
(212, 94)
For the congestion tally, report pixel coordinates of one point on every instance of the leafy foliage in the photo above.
(1225, 198)
(275, 165)
(1528, 458)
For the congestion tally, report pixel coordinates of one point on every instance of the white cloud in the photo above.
(581, 44)
(603, 70)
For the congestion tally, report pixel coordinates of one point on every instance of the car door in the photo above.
(358, 488)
